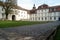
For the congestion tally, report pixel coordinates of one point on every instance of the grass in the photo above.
(57, 36)
(4, 24)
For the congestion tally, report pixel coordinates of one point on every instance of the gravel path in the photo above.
(31, 31)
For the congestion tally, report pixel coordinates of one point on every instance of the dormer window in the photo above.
(41, 6)
(54, 9)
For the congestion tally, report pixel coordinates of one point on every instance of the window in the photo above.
(54, 18)
(41, 6)
(54, 13)
(42, 18)
(52, 9)
(42, 10)
(46, 10)
(2, 15)
(33, 18)
(45, 18)
(50, 18)
(39, 18)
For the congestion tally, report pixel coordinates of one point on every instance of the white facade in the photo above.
(44, 15)
(19, 15)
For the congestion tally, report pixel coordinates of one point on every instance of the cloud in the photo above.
(27, 4)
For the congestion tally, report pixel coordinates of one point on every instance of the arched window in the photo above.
(45, 18)
(50, 18)
(42, 18)
(39, 18)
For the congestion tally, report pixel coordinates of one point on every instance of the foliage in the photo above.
(8, 6)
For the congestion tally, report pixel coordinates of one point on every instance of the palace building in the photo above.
(42, 13)
(45, 13)
(18, 13)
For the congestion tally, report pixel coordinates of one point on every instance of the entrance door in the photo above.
(59, 18)
(13, 17)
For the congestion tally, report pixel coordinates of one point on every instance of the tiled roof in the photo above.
(44, 6)
(33, 11)
(55, 8)
(18, 7)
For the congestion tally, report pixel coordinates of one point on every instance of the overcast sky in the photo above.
(28, 4)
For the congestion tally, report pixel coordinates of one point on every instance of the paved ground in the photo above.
(28, 32)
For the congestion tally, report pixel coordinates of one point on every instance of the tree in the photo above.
(8, 6)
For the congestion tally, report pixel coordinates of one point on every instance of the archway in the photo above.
(13, 17)
(59, 18)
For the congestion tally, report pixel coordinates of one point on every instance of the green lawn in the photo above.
(57, 36)
(4, 24)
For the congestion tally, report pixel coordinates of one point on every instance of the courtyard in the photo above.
(30, 32)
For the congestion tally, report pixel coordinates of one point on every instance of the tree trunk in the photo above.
(6, 16)
(6, 12)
